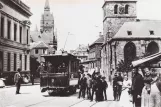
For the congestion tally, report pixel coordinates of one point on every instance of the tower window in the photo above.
(129, 32)
(115, 9)
(126, 9)
(151, 32)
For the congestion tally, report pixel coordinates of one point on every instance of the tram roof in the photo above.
(60, 55)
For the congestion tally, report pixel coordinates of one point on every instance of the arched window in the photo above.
(129, 52)
(115, 9)
(152, 48)
(126, 9)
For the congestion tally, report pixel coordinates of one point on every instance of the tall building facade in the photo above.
(14, 37)
(47, 32)
(116, 13)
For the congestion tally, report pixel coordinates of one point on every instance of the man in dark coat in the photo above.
(17, 80)
(83, 85)
(119, 83)
(137, 86)
(99, 89)
(105, 86)
(93, 86)
(115, 87)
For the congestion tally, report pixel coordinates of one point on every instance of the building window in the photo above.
(104, 12)
(44, 51)
(9, 29)
(15, 32)
(2, 26)
(129, 32)
(36, 51)
(27, 36)
(8, 61)
(15, 62)
(20, 61)
(151, 32)
(115, 9)
(25, 62)
(20, 34)
(126, 9)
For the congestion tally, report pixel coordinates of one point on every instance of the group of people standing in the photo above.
(143, 89)
(146, 87)
(91, 85)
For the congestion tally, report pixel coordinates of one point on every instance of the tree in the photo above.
(123, 67)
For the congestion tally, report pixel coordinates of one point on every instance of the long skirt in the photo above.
(125, 99)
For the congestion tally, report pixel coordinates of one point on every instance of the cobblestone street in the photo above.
(32, 97)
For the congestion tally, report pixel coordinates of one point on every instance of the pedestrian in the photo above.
(89, 86)
(17, 80)
(40, 69)
(99, 89)
(155, 92)
(137, 86)
(119, 83)
(93, 86)
(125, 96)
(83, 85)
(115, 87)
(146, 89)
(105, 86)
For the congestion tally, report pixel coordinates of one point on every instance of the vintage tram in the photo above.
(61, 74)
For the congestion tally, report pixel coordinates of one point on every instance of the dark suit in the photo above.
(137, 86)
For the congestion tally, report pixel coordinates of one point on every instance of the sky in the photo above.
(80, 21)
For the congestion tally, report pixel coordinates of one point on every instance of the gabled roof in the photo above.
(39, 44)
(100, 40)
(45, 37)
(139, 30)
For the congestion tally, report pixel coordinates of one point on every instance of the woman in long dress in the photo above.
(125, 97)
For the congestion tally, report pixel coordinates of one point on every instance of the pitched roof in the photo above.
(139, 29)
(99, 40)
(45, 37)
(39, 44)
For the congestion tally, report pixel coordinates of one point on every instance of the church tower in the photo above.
(47, 19)
(116, 13)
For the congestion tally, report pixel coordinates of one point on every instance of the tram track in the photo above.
(76, 103)
(81, 102)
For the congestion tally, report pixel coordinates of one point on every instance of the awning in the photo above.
(146, 59)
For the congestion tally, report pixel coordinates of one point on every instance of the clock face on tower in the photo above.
(121, 10)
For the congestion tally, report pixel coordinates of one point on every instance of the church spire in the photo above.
(47, 7)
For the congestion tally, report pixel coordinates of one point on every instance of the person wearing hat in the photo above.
(83, 85)
(105, 86)
(17, 80)
(99, 89)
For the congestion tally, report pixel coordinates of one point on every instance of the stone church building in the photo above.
(126, 38)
